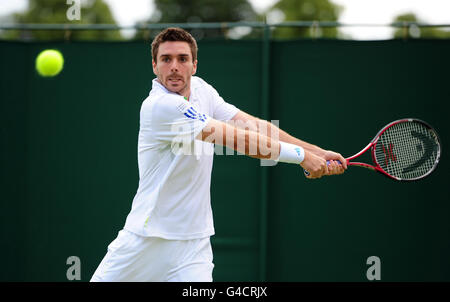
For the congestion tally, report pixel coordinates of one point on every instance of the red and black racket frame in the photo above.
(373, 144)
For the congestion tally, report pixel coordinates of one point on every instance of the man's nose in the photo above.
(174, 65)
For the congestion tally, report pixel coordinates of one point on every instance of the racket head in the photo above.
(406, 150)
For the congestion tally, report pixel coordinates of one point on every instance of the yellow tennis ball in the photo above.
(49, 63)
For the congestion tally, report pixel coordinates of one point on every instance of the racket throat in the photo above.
(362, 165)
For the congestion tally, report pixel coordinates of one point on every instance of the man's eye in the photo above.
(165, 60)
(183, 59)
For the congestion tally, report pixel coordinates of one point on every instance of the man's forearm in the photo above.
(273, 131)
(244, 120)
(244, 140)
(251, 143)
(315, 156)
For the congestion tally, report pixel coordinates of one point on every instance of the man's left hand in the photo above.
(334, 168)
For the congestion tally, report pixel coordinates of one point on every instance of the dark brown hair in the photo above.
(174, 34)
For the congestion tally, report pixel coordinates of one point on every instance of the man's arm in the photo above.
(261, 126)
(256, 145)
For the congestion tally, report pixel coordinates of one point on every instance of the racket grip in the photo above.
(328, 162)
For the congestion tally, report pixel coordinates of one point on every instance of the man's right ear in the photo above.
(154, 68)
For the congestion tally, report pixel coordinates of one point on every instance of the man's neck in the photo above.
(186, 93)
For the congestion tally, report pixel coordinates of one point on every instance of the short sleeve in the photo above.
(173, 119)
(223, 111)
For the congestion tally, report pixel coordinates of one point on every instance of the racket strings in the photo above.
(407, 150)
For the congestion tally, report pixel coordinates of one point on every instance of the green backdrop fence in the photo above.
(69, 159)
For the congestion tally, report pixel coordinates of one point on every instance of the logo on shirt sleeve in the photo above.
(182, 106)
(193, 114)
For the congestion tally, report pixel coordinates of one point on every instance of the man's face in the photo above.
(174, 66)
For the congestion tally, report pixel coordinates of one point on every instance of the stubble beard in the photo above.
(181, 89)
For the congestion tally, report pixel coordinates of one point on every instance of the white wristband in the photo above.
(291, 154)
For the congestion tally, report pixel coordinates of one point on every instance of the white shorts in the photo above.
(131, 257)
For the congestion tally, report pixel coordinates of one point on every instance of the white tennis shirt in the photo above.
(173, 199)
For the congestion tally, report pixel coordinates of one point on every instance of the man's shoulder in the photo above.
(197, 82)
(201, 87)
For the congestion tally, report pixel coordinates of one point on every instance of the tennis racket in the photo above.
(404, 150)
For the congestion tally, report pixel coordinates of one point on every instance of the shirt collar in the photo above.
(194, 85)
(158, 86)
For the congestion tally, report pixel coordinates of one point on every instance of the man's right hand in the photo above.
(315, 165)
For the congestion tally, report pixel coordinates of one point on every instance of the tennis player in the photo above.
(166, 236)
